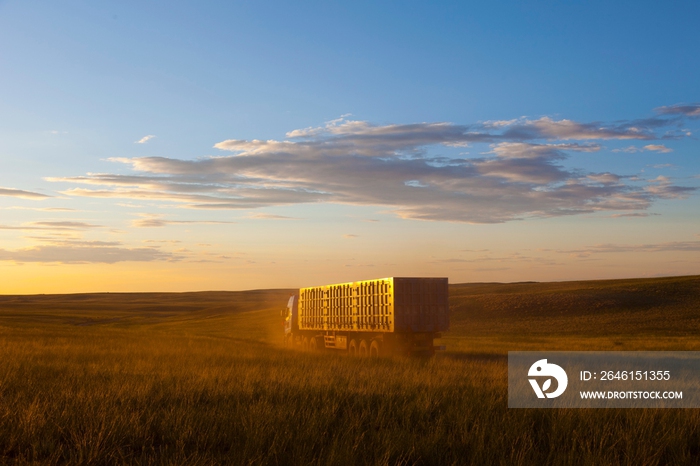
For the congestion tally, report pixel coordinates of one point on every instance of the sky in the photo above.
(182, 146)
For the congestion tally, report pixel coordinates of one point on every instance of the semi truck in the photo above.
(395, 315)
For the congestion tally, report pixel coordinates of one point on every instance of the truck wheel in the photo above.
(305, 343)
(374, 349)
(352, 347)
(313, 344)
(364, 349)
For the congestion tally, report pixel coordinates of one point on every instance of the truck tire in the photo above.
(364, 349)
(375, 349)
(352, 347)
(305, 343)
(313, 344)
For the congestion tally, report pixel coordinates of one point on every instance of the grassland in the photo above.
(201, 378)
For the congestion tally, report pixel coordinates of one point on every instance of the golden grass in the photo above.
(200, 378)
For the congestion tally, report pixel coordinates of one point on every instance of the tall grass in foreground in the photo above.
(175, 394)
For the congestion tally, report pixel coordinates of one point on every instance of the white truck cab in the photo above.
(290, 316)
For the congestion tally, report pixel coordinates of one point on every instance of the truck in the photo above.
(395, 315)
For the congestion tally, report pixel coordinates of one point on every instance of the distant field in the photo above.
(201, 378)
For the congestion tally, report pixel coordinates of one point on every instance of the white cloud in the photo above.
(156, 221)
(687, 246)
(689, 110)
(567, 129)
(41, 209)
(87, 252)
(629, 150)
(499, 123)
(668, 191)
(272, 217)
(604, 178)
(144, 139)
(657, 148)
(355, 162)
(635, 214)
(648, 147)
(65, 225)
(12, 192)
(62, 240)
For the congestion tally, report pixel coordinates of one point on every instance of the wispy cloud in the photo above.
(662, 187)
(22, 194)
(63, 241)
(547, 128)
(682, 246)
(635, 214)
(272, 217)
(67, 225)
(649, 147)
(83, 253)
(514, 257)
(351, 236)
(42, 209)
(689, 110)
(628, 150)
(144, 139)
(156, 221)
(356, 162)
(657, 148)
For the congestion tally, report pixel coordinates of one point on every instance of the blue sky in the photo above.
(83, 81)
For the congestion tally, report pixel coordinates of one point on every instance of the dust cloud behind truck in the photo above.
(393, 315)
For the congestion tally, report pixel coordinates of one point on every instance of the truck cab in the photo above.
(290, 316)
